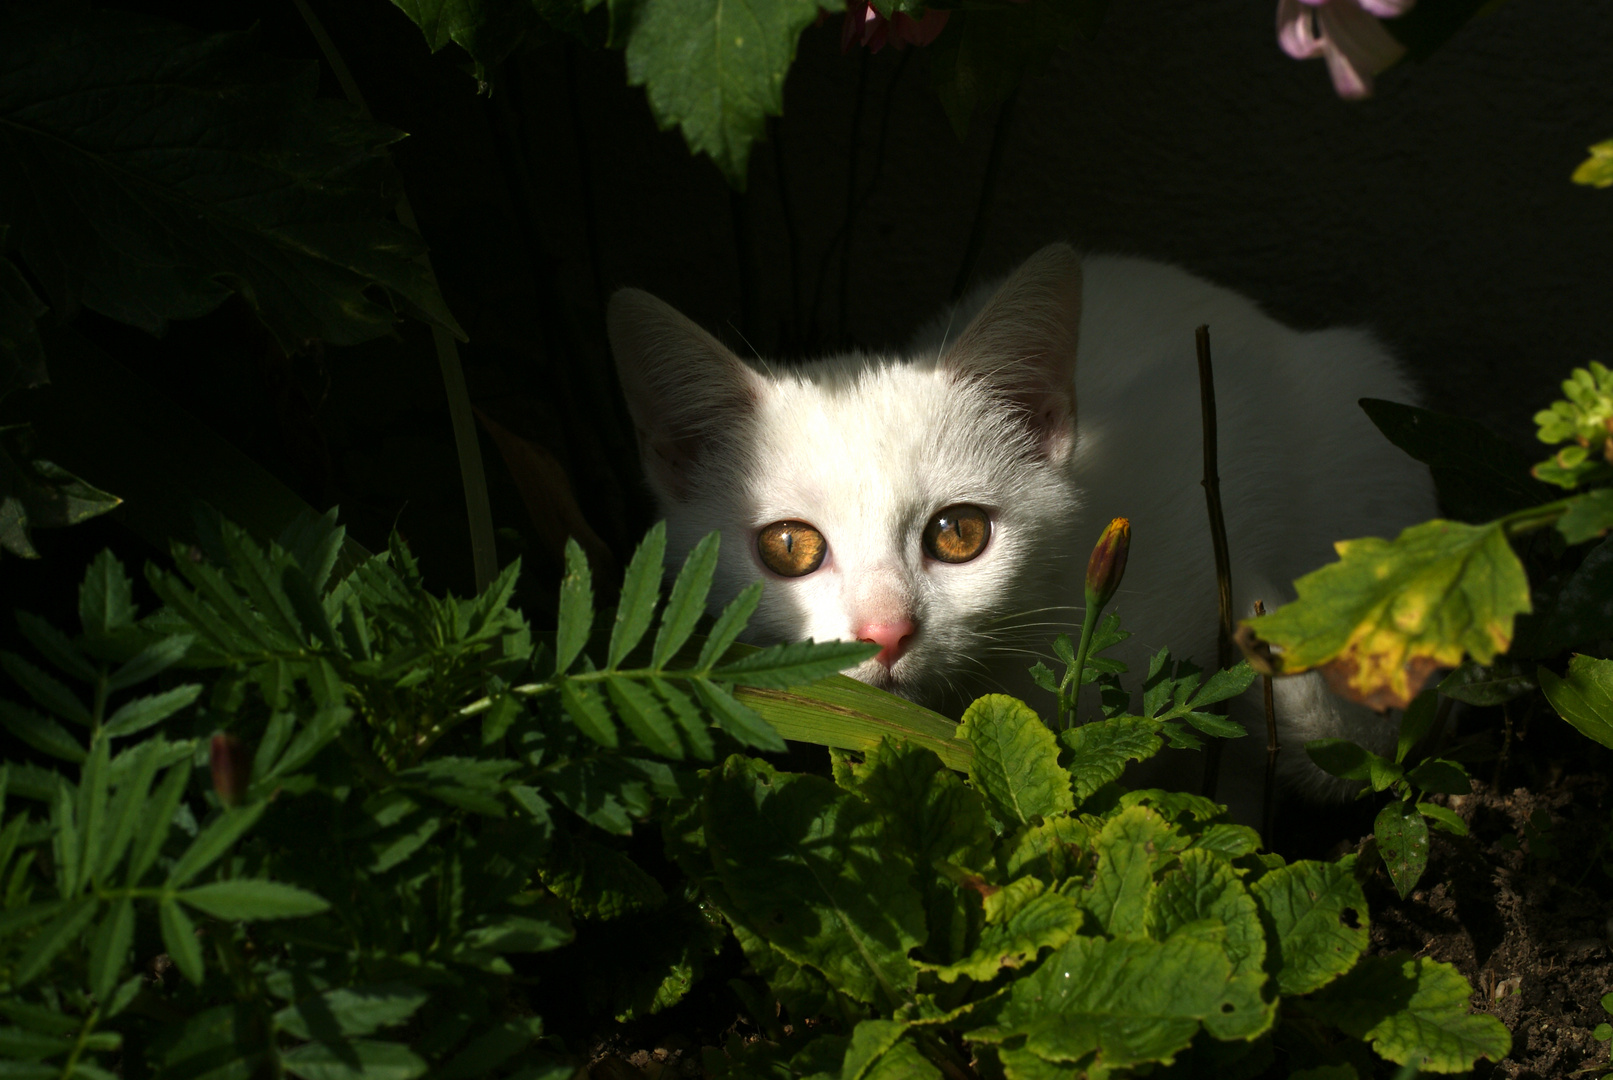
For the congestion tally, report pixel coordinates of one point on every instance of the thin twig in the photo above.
(1218, 537)
(988, 188)
(479, 510)
(1268, 802)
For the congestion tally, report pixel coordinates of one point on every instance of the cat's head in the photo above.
(915, 502)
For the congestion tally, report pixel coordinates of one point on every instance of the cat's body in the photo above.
(998, 408)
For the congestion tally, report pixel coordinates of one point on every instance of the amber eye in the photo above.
(957, 534)
(791, 548)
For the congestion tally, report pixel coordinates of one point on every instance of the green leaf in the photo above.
(1439, 775)
(807, 867)
(737, 719)
(1031, 918)
(490, 1049)
(1416, 722)
(598, 882)
(783, 666)
(929, 815)
(1584, 698)
(641, 588)
(354, 1059)
(1099, 750)
(106, 598)
(1382, 619)
(65, 825)
(870, 1047)
(318, 733)
(715, 68)
(644, 717)
(248, 898)
(841, 712)
(726, 630)
(487, 29)
(92, 793)
(61, 932)
(518, 933)
(688, 717)
(351, 1011)
(143, 712)
(179, 935)
(45, 690)
(56, 647)
(1493, 684)
(1587, 517)
(142, 762)
(40, 732)
(1443, 818)
(155, 820)
(1411, 1009)
(1596, 170)
(588, 712)
(1126, 1001)
(214, 840)
(687, 601)
(255, 186)
(576, 610)
(1315, 917)
(1224, 685)
(109, 951)
(226, 1042)
(1016, 760)
(22, 353)
(1402, 843)
(158, 656)
(1132, 845)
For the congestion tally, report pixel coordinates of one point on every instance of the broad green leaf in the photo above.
(39, 494)
(929, 814)
(730, 622)
(59, 933)
(155, 820)
(354, 1059)
(576, 610)
(1315, 917)
(1411, 1008)
(1584, 698)
(1596, 170)
(842, 712)
(22, 353)
(782, 666)
(158, 656)
(143, 712)
(248, 898)
(1132, 845)
(45, 690)
(587, 710)
(1099, 750)
(214, 840)
(487, 29)
(109, 950)
(1032, 918)
(519, 933)
(871, 1041)
(715, 68)
(179, 935)
(1128, 1001)
(641, 588)
(644, 716)
(254, 186)
(1587, 517)
(1016, 760)
(1441, 776)
(40, 732)
(1443, 818)
(1480, 684)
(106, 598)
(490, 1049)
(226, 1042)
(1058, 848)
(1381, 620)
(598, 882)
(688, 600)
(1402, 843)
(350, 1011)
(738, 719)
(56, 647)
(808, 868)
(1417, 722)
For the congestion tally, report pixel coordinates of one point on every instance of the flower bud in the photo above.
(1108, 563)
(232, 768)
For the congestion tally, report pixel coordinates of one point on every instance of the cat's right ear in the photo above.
(687, 393)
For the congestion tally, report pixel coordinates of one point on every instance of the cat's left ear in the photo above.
(1022, 344)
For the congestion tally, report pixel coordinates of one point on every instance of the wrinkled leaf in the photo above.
(1411, 1008)
(1016, 760)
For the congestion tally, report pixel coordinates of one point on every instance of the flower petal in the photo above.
(1296, 30)
(1387, 9)
(1360, 39)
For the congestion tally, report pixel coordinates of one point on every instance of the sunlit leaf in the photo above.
(641, 588)
(1413, 1011)
(1402, 836)
(1016, 760)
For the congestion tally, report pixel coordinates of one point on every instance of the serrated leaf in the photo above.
(1413, 1010)
(106, 597)
(93, 786)
(641, 588)
(350, 1011)
(311, 617)
(255, 186)
(1100, 750)
(795, 663)
(805, 866)
(56, 646)
(929, 814)
(730, 623)
(226, 1042)
(1315, 917)
(155, 820)
(1584, 698)
(688, 717)
(1016, 760)
(587, 710)
(1131, 846)
(576, 610)
(354, 1059)
(59, 933)
(143, 712)
(40, 732)
(319, 732)
(45, 690)
(738, 719)
(644, 717)
(213, 841)
(1402, 844)
(1224, 685)
(1034, 919)
(158, 656)
(135, 783)
(1381, 620)
(109, 950)
(687, 601)
(598, 882)
(249, 898)
(1587, 517)
(179, 935)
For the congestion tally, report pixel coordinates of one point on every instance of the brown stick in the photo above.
(1268, 804)
(1218, 537)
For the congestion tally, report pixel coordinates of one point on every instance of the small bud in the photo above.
(1108, 563)
(232, 769)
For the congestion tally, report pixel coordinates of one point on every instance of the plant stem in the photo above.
(1218, 537)
(1268, 805)
(1070, 691)
(84, 1032)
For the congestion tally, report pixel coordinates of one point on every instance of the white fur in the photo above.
(867, 448)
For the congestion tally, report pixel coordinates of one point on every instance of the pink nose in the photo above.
(892, 638)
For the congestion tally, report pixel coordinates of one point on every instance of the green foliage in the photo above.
(1584, 697)
(1585, 421)
(37, 494)
(1597, 170)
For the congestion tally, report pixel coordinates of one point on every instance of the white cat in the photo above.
(943, 504)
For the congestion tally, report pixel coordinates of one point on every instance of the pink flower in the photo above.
(864, 25)
(1345, 33)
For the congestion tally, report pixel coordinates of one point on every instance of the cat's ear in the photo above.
(1022, 344)
(686, 392)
